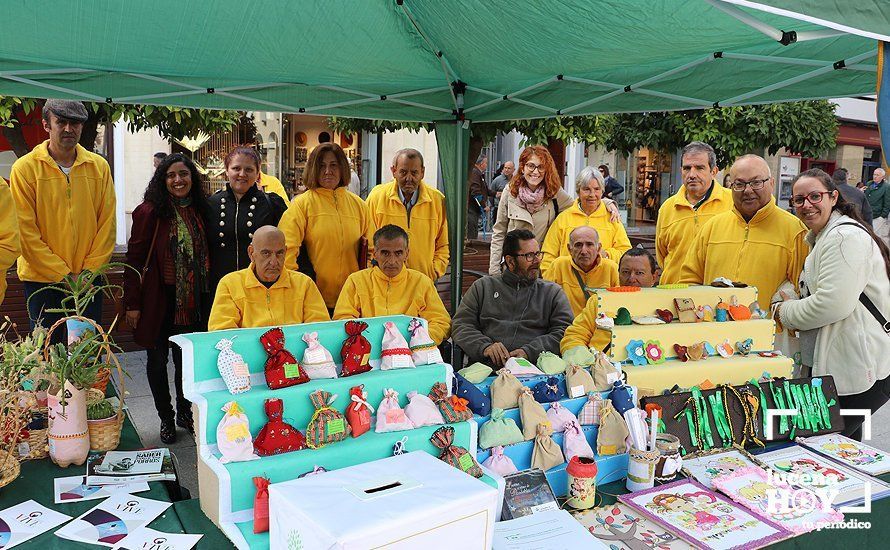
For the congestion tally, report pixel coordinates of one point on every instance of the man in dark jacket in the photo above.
(477, 198)
(878, 193)
(515, 313)
(851, 194)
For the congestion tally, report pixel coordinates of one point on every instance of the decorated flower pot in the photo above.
(69, 440)
(77, 329)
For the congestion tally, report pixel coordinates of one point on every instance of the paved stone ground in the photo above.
(142, 413)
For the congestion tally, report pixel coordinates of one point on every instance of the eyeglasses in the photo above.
(534, 167)
(756, 185)
(813, 198)
(530, 256)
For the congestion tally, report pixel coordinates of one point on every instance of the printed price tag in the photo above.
(336, 426)
(395, 416)
(291, 371)
(401, 361)
(613, 377)
(235, 432)
(465, 461)
(240, 369)
(577, 391)
(314, 356)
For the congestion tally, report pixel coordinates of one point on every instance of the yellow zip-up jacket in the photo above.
(10, 247)
(678, 224)
(562, 272)
(242, 301)
(329, 224)
(613, 236)
(370, 293)
(763, 253)
(584, 332)
(427, 227)
(271, 184)
(66, 223)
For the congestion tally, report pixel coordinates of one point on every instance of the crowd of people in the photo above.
(247, 257)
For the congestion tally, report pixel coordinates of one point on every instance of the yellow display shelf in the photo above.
(762, 331)
(655, 379)
(647, 300)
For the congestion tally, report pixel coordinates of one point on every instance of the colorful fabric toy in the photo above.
(500, 463)
(327, 424)
(422, 411)
(232, 367)
(685, 310)
(721, 313)
(604, 322)
(282, 368)
(356, 350)
(559, 416)
(725, 349)
(452, 407)
(705, 313)
(478, 402)
(654, 353)
(390, 415)
(423, 349)
(261, 505)
(317, 360)
(548, 391)
(636, 352)
(757, 312)
(460, 458)
(233, 435)
(277, 436)
(647, 320)
(358, 413)
(623, 318)
(396, 354)
(744, 347)
(738, 312)
(665, 315)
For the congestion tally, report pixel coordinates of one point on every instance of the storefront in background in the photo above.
(301, 134)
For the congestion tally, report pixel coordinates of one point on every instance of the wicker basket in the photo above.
(105, 434)
(9, 468)
(38, 446)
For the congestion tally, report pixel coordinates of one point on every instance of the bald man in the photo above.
(756, 242)
(584, 269)
(265, 294)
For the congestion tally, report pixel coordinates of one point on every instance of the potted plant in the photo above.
(104, 422)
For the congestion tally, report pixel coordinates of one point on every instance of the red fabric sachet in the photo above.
(261, 505)
(358, 413)
(277, 436)
(282, 368)
(356, 350)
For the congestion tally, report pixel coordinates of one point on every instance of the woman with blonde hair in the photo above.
(332, 224)
(590, 210)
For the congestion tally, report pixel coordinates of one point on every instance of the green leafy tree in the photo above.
(171, 122)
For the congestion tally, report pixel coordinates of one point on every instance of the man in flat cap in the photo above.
(65, 202)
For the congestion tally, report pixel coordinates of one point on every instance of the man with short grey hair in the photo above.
(878, 193)
(681, 216)
(501, 182)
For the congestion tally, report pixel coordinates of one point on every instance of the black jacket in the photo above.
(858, 198)
(231, 224)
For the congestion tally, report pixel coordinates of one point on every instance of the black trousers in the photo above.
(39, 302)
(156, 365)
(872, 399)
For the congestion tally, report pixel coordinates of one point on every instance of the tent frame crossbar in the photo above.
(47, 86)
(781, 36)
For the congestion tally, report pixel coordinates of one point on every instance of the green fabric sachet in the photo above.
(499, 430)
(476, 373)
(550, 363)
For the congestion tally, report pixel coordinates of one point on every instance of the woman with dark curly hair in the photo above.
(168, 246)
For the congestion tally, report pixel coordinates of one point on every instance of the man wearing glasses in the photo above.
(681, 216)
(756, 242)
(514, 313)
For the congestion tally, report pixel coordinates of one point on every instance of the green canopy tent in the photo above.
(448, 62)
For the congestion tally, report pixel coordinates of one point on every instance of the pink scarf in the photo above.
(531, 200)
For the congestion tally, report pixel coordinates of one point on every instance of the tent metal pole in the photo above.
(419, 105)
(348, 91)
(672, 72)
(342, 104)
(809, 19)
(418, 92)
(450, 74)
(597, 99)
(281, 106)
(25, 72)
(680, 98)
(484, 91)
(794, 61)
(818, 35)
(39, 84)
(482, 105)
(532, 87)
(544, 108)
(749, 20)
(593, 82)
(141, 98)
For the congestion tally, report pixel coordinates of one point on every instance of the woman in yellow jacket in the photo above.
(10, 248)
(332, 224)
(588, 210)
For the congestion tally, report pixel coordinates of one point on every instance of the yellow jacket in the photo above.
(271, 184)
(242, 301)
(764, 252)
(10, 248)
(329, 224)
(66, 223)
(678, 224)
(427, 229)
(562, 272)
(370, 293)
(584, 332)
(613, 237)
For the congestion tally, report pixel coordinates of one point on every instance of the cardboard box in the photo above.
(408, 501)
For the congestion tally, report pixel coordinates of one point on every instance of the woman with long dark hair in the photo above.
(844, 308)
(237, 211)
(168, 246)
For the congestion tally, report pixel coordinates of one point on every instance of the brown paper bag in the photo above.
(531, 413)
(579, 382)
(505, 391)
(546, 453)
(612, 431)
(604, 373)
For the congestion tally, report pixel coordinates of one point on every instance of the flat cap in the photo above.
(65, 108)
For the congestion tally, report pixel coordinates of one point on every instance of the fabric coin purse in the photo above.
(233, 435)
(422, 411)
(277, 436)
(478, 402)
(390, 415)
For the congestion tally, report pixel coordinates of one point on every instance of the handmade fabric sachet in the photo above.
(261, 505)
(327, 424)
(505, 390)
(559, 417)
(356, 350)
(531, 413)
(277, 436)
(233, 435)
(232, 367)
(574, 442)
(550, 363)
(578, 381)
(610, 439)
(423, 349)
(479, 402)
(622, 397)
(452, 407)
(476, 373)
(500, 463)
(499, 431)
(460, 458)
(390, 415)
(548, 391)
(522, 367)
(422, 411)
(546, 453)
(395, 352)
(317, 360)
(282, 368)
(604, 373)
(590, 412)
(358, 413)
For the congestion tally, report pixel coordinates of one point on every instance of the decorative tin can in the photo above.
(641, 469)
(581, 474)
(669, 459)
